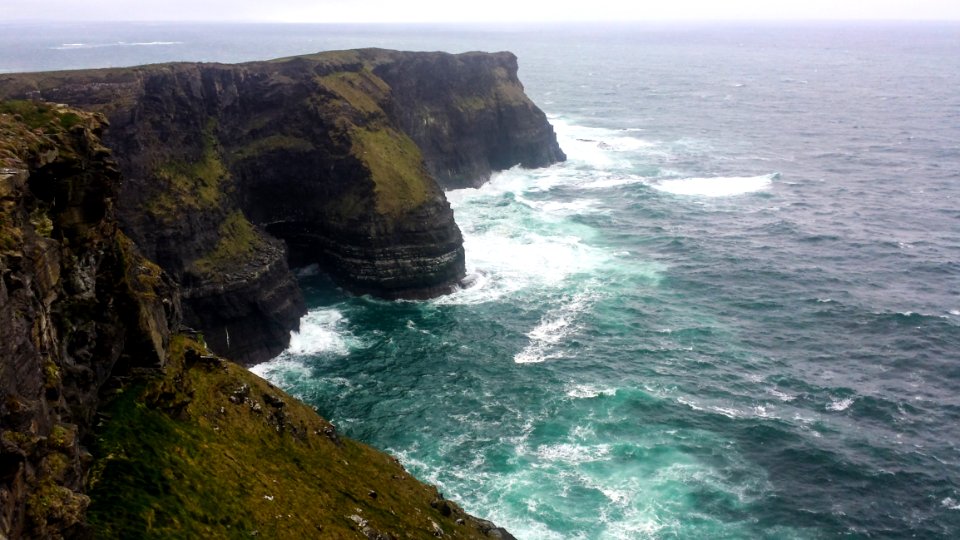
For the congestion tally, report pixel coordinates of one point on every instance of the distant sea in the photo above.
(733, 313)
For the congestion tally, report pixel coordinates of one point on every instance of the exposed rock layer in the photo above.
(338, 154)
(78, 305)
(468, 114)
(184, 444)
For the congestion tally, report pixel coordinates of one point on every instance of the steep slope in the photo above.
(117, 423)
(209, 450)
(337, 154)
(473, 120)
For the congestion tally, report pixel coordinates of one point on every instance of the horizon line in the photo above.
(620, 22)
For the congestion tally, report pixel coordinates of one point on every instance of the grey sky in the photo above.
(475, 11)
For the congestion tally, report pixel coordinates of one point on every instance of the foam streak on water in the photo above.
(717, 186)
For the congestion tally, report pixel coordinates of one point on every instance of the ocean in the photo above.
(734, 312)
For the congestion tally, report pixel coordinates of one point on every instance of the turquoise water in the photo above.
(635, 360)
(733, 313)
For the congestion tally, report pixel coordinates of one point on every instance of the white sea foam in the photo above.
(568, 208)
(955, 312)
(612, 181)
(573, 454)
(782, 396)
(840, 404)
(950, 503)
(583, 433)
(727, 411)
(320, 332)
(586, 391)
(72, 46)
(757, 411)
(515, 181)
(630, 529)
(152, 43)
(554, 327)
(601, 148)
(619, 497)
(309, 270)
(501, 263)
(760, 411)
(689, 403)
(719, 186)
(271, 370)
(512, 243)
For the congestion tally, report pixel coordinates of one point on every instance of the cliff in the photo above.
(335, 159)
(78, 304)
(116, 422)
(468, 113)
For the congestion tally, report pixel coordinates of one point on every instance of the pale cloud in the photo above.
(477, 11)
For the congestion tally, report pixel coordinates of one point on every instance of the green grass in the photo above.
(194, 185)
(11, 236)
(273, 143)
(40, 115)
(396, 167)
(361, 90)
(143, 276)
(239, 239)
(41, 222)
(26, 128)
(209, 450)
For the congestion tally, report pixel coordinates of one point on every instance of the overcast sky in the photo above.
(474, 11)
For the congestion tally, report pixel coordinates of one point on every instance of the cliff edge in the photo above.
(235, 172)
(78, 305)
(115, 421)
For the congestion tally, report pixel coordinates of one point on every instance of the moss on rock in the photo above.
(239, 239)
(360, 90)
(195, 185)
(272, 143)
(396, 168)
(209, 450)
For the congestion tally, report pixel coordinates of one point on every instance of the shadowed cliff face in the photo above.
(468, 114)
(337, 154)
(113, 423)
(78, 304)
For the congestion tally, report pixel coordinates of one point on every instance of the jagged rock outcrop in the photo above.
(337, 154)
(468, 113)
(117, 423)
(78, 305)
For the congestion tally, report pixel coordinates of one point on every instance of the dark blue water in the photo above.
(733, 313)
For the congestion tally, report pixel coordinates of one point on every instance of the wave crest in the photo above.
(718, 186)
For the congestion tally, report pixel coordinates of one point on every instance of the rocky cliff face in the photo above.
(114, 422)
(338, 155)
(78, 304)
(468, 114)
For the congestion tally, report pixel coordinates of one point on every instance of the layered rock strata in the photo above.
(338, 155)
(468, 113)
(115, 422)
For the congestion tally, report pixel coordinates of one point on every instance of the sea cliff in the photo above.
(235, 172)
(118, 422)
(149, 218)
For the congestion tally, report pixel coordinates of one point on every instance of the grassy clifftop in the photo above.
(209, 450)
